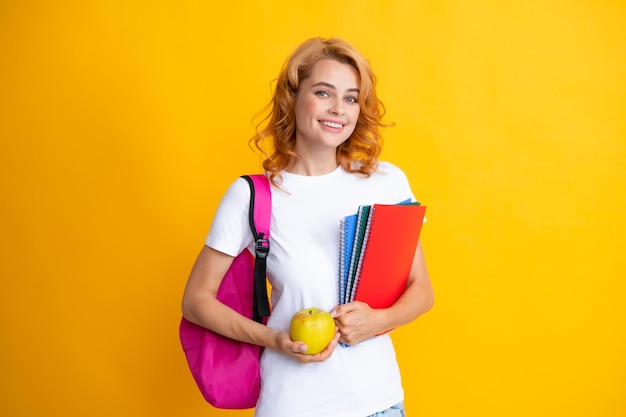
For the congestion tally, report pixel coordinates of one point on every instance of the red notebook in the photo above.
(388, 253)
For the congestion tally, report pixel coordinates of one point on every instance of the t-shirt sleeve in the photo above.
(398, 183)
(230, 230)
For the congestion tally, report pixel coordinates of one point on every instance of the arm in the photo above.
(358, 322)
(201, 306)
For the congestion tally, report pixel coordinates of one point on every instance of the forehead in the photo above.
(335, 73)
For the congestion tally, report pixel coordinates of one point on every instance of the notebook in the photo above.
(377, 249)
(348, 228)
(360, 227)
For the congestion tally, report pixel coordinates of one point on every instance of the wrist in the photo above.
(272, 339)
(384, 321)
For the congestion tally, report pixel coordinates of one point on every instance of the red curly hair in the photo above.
(365, 143)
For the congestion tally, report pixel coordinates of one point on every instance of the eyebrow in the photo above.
(327, 85)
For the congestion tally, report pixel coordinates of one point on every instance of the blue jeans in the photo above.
(395, 411)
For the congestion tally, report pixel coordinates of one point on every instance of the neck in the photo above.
(312, 168)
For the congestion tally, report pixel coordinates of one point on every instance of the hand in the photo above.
(357, 322)
(295, 348)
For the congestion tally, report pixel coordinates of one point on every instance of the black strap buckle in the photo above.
(262, 247)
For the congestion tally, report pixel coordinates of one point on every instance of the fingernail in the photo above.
(303, 348)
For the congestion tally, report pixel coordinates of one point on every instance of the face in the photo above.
(327, 107)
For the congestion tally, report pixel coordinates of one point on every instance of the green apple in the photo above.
(313, 326)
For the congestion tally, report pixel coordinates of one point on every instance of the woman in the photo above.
(324, 132)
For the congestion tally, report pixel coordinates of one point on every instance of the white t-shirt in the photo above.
(302, 267)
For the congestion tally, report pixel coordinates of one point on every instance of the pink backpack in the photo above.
(227, 371)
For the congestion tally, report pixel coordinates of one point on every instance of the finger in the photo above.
(345, 339)
(323, 355)
(298, 347)
(333, 344)
(341, 313)
(352, 307)
(336, 311)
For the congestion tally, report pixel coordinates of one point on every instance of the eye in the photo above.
(352, 99)
(322, 93)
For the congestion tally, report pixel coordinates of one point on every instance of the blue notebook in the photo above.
(348, 228)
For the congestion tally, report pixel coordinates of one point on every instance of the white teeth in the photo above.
(331, 124)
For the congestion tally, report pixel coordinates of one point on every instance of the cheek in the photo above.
(354, 116)
(304, 109)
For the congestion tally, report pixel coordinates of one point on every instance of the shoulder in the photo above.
(230, 231)
(382, 168)
(238, 191)
(388, 167)
(235, 201)
(393, 180)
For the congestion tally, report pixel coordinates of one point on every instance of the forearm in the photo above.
(221, 319)
(201, 306)
(416, 300)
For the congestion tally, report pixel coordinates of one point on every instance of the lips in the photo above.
(334, 125)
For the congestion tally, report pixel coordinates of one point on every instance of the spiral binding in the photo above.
(363, 250)
(343, 259)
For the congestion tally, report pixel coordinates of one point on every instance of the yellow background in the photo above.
(122, 123)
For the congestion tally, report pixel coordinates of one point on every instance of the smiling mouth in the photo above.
(331, 124)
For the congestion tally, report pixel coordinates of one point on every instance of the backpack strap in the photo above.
(260, 216)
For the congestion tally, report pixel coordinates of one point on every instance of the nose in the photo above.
(336, 107)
